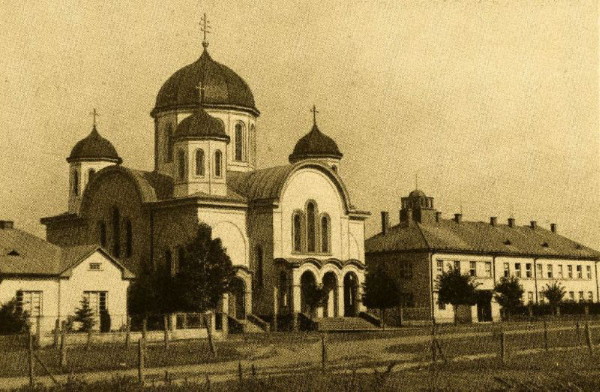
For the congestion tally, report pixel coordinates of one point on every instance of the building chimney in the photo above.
(553, 227)
(385, 222)
(533, 225)
(438, 216)
(511, 222)
(457, 218)
(493, 221)
(6, 224)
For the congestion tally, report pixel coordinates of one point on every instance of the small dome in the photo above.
(201, 125)
(417, 193)
(315, 144)
(223, 88)
(94, 148)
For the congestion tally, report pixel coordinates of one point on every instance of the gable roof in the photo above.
(22, 253)
(478, 237)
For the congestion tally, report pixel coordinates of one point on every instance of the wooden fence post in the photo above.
(30, 360)
(63, 345)
(56, 333)
(545, 336)
(141, 360)
(433, 348)
(240, 371)
(503, 347)
(166, 325)
(588, 337)
(275, 308)
(323, 353)
(128, 333)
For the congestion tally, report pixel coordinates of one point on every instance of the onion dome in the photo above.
(223, 88)
(201, 125)
(94, 148)
(315, 144)
(416, 194)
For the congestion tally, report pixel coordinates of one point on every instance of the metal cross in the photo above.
(205, 28)
(95, 115)
(314, 112)
(200, 87)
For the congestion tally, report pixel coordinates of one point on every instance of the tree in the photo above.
(85, 315)
(554, 293)
(204, 274)
(315, 296)
(381, 291)
(12, 319)
(509, 294)
(457, 290)
(152, 292)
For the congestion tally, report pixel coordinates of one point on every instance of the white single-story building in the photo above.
(49, 281)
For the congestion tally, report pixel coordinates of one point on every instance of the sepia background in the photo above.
(493, 104)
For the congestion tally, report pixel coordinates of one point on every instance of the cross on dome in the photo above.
(94, 114)
(200, 87)
(314, 112)
(205, 28)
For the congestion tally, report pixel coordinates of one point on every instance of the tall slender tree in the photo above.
(382, 291)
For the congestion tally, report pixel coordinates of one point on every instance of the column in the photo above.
(340, 304)
(225, 314)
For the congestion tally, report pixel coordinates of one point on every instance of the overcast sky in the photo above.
(494, 104)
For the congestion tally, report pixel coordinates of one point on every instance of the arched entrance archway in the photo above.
(237, 299)
(350, 294)
(330, 284)
(308, 285)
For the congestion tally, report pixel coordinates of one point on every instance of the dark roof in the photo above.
(201, 125)
(22, 253)
(223, 88)
(477, 237)
(417, 193)
(94, 147)
(315, 144)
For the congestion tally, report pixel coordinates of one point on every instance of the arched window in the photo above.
(116, 231)
(180, 258)
(169, 261)
(181, 164)
(218, 162)
(297, 232)
(169, 143)
(102, 233)
(128, 238)
(75, 183)
(239, 142)
(259, 267)
(253, 144)
(199, 162)
(311, 230)
(325, 247)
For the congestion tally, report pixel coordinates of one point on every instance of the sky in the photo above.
(493, 105)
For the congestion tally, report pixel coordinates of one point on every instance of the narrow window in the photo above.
(200, 162)
(440, 267)
(169, 143)
(570, 271)
(488, 269)
(252, 144)
(539, 270)
(559, 273)
(528, 270)
(259, 267)
(30, 302)
(128, 238)
(518, 270)
(457, 265)
(181, 164)
(579, 272)
(218, 161)
(588, 270)
(530, 297)
(473, 268)
(75, 183)
(297, 232)
(102, 233)
(310, 225)
(591, 296)
(325, 234)
(239, 142)
(506, 270)
(116, 232)
(549, 271)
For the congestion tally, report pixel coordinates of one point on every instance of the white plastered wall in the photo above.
(230, 227)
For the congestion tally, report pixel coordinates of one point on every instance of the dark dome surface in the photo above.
(417, 193)
(315, 144)
(94, 147)
(201, 125)
(223, 88)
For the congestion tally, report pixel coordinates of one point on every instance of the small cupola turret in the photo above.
(200, 151)
(315, 145)
(89, 155)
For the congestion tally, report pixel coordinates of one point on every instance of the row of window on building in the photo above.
(552, 271)
(117, 240)
(481, 269)
(570, 296)
(32, 302)
(199, 164)
(311, 231)
(240, 143)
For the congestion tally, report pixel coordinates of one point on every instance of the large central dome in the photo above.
(223, 88)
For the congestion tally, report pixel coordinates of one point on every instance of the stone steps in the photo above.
(341, 324)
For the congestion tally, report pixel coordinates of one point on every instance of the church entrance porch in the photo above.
(237, 299)
(309, 294)
(330, 302)
(350, 295)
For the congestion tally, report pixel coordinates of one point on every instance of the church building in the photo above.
(285, 228)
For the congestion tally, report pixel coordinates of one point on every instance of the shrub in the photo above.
(85, 316)
(12, 319)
